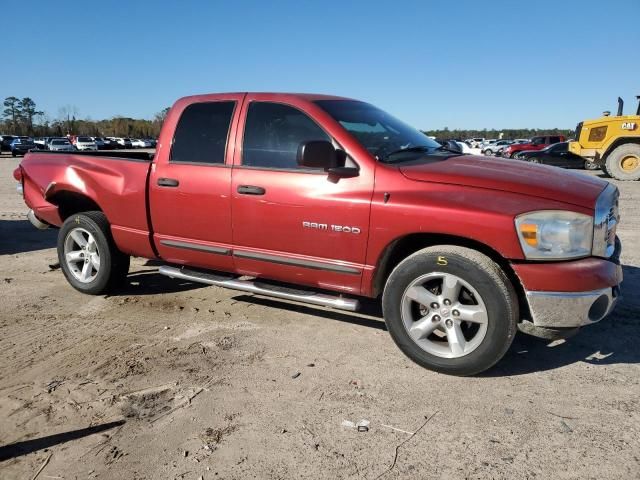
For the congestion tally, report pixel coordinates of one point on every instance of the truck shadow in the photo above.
(611, 341)
(150, 282)
(19, 236)
(369, 315)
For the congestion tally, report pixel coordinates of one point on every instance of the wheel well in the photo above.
(618, 142)
(405, 246)
(70, 203)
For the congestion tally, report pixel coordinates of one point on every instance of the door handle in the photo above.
(251, 190)
(168, 182)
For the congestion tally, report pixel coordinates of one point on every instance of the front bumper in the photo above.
(571, 309)
(571, 294)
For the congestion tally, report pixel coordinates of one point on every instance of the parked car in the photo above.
(335, 194)
(111, 143)
(536, 143)
(41, 142)
(60, 145)
(5, 142)
(464, 147)
(557, 155)
(140, 143)
(475, 142)
(22, 145)
(496, 147)
(124, 142)
(84, 143)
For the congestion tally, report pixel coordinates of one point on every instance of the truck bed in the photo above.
(55, 183)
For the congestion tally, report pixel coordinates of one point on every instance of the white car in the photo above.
(496, 148)
(138, 143)
(85, 143)
(475, 142)
(466, 149)
(60, 145)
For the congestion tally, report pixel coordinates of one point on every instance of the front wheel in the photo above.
(624, 162)
(88, 256)
(451, 309)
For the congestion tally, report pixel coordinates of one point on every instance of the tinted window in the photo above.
(554, 139)
(201, 133)
(273, 133)
(538, 140)
(561, 147)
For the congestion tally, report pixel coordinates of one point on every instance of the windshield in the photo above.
(85, 139)
(380, 133)
(60, 142)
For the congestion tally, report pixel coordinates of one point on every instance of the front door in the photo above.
(189, 191)
(290, 223)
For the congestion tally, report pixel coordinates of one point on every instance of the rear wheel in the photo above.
(88, 256)
(513, 155)
(624, 162)
(451, 309)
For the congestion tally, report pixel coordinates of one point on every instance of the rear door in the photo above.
(289, 223)
(189, 186)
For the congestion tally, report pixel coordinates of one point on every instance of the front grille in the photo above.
(605, 222)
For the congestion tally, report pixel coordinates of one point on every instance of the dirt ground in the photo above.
(171, 380)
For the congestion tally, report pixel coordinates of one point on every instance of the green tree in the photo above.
(28, 113)
(13, 113)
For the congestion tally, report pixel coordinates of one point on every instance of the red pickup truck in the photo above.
(322, 200)
(536, 143)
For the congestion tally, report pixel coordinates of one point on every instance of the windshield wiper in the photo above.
(419, 148)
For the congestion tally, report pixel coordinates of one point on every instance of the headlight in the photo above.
(555, 234)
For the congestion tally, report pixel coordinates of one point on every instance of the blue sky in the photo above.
(461, 64)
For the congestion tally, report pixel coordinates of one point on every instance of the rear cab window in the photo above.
(202, 132)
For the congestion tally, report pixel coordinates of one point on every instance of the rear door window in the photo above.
(273, 133)
(201, 133)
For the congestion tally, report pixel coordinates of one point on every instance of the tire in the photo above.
(88, 256)
(485, 290)
(487, 152)
(513, 155)
(624, 162)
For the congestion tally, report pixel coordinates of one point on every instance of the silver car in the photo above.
(496, 147)
(60, 145)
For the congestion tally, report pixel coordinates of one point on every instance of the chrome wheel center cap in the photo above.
(444, 312)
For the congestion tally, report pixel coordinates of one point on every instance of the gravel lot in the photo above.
(175, 380)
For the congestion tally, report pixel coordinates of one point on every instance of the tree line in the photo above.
(507, 133)
(22, 117)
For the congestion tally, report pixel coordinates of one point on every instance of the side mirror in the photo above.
(451, 145)
(322, 154)
(317, 154)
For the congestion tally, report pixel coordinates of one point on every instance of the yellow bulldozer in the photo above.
(611, 142)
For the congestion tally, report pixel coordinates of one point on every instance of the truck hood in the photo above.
(510, 176)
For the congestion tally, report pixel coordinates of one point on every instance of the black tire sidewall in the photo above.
(102, 280)
(501, 327)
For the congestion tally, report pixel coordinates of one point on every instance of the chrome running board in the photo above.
(260, 288)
